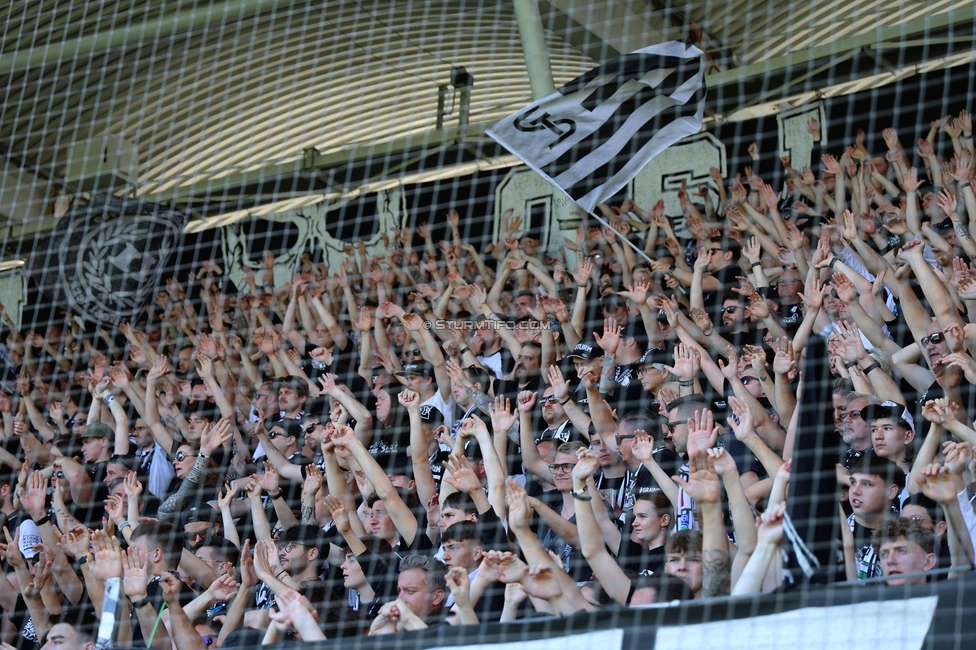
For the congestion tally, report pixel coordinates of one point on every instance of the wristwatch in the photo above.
(142, 602)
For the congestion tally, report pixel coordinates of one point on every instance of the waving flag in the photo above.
(594, 134)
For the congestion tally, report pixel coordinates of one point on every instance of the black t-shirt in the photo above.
(155, 594)
(436, 462)
(791, 316)
(745, 460)
(510, 388)
(713, 300)
(634, 557)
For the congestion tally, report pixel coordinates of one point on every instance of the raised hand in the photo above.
(224, 588)
(339, 514)
(703, 483)
(637, 292)
(12, 550)
(502, 417)
(771, 525)
(136, 573)
(845, 288)
(113, 507)
(76, 542)
(813, 294)
(643, 446)
(731, 369)
(526, 401)
(519, 512)
(269, 480)
(460, 585)
(702, 432)
(505, 566)
(587, 464)
(784, 362)
(461, 477)
(409, 399)
(583, 272)
(687, 363)
(215, 436)
(313, 481)
(723, 462)
(743, 429)
(107, 555)
(937, 483)
(611, 336)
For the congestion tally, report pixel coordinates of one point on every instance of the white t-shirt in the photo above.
(445, 407)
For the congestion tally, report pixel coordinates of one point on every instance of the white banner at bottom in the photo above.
(604, 640)
(887, 624)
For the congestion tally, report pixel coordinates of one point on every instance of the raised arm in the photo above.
(403, 518)
(605, 567)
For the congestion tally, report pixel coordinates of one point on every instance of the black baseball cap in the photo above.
(584, 351)
(431, 416)
(422, 368)
(291, 381)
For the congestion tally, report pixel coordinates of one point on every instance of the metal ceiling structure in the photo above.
(262, 105)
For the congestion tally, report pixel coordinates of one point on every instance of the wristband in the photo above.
(755, 264)
(671, 269)
(686, 382)
(124, 525)
(833, 260)
(709, 331)
(43, 520)
(109, 399)
(850, 364)
(465, 349)
(280, 573)
(142, 602)
(565, 401)
(873, 366)
(581, 497)
(275, 495)
(204, 455)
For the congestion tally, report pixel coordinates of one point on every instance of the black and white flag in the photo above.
(594, 134)
(103, 260)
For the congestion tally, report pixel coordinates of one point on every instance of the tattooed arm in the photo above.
(703, 486)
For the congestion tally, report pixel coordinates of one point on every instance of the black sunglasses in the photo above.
(310, 427)
(275, 434)
(624, 436)
(730, 310)
(182, 455)
(543, 400)
(936, 338)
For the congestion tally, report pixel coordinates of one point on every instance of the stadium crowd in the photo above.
(443, 435)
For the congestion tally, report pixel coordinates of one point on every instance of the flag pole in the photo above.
(623, 237)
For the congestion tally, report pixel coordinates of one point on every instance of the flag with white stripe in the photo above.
(595, 133)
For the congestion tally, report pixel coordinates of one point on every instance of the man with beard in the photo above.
(201, 526)
(300, 553)
(292, 394)
(854, 430)
(527, 374)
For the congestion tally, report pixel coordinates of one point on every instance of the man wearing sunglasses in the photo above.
(855, 432)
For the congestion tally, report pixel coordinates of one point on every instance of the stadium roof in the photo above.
(235, 105)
